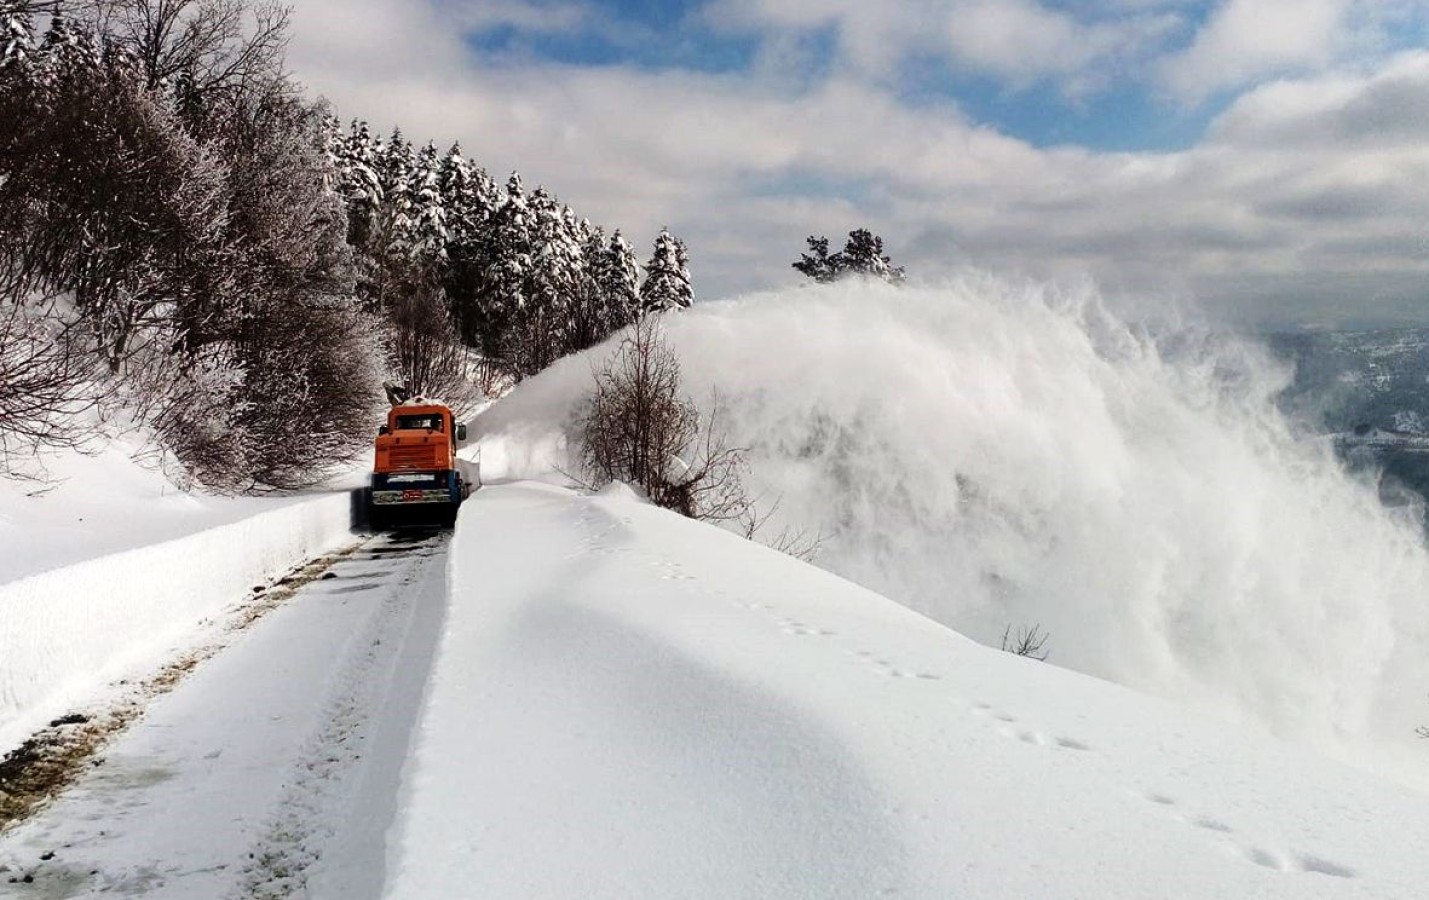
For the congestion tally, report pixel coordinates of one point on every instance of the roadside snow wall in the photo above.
(66, 631)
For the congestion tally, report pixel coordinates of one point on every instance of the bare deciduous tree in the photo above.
(212, 46)
(44, 383)
(639, 428)
(424, 348)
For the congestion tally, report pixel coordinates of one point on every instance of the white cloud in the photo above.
(1303, 190)
(1246, 39)
(1021, 40)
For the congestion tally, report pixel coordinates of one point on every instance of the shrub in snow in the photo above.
(637, 427)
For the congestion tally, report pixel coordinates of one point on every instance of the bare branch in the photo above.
(1028, 642)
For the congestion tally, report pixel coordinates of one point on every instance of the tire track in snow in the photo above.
(208, 795)
(308, 816)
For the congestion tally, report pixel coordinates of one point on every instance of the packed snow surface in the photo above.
(1000, 455)
(272, 770)
(627, 704)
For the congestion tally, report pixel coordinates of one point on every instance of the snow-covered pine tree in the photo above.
(465, 200)
(429, 219)
(682, 269)
(468, 197)
(620, 282)
(396, 162)
(863, 254)
(506, 258)
(667, 276)
(818, 264)
(358, 183)
(17, 39)
(542, 329)
(588, 307)
(67, 52)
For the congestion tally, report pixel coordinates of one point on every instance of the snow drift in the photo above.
(995, 455)
(626, 704)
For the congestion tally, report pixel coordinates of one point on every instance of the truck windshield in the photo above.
(432, 422)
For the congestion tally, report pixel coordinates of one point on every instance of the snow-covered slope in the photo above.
(626, 704)
(996, 455)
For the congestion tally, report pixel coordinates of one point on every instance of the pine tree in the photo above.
(667, 276)
(506, 257)
(861, 255)
(429, 219)
(66, 54)
(620, 280)
(396, 225)
(17, 40)
(358, 183)
(542, 330)
(817, 264)
(468, 198)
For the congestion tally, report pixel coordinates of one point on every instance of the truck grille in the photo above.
(416, 456)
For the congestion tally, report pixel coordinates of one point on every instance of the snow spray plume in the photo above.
(992, 454)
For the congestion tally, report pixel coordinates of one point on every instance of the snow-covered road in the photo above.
(273, 767)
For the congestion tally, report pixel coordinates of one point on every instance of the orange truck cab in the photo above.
(417, 478)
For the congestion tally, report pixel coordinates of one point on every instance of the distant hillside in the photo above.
(1370, 389)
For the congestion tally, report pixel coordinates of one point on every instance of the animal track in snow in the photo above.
(1210, 824)
(1281, 862)
(1324, 867)
(1037, 738)
(1265, 858)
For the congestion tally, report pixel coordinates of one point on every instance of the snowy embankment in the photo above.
(65, 632)
(627, 704)
(104, 501)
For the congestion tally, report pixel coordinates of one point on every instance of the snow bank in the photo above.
(627, 704)
(998, 455)
(65, 631)
(95, 503)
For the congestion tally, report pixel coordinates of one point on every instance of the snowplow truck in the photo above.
(417, 479)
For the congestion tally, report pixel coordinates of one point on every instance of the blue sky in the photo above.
(1161, 147)
(1127, 106)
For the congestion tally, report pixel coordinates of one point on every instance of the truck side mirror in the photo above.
(461, 431)
(382, 429)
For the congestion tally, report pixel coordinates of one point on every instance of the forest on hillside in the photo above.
(191, 246)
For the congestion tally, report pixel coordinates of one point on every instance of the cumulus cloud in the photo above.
(1245, 39)
(1024, 40)
(1305, 199)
